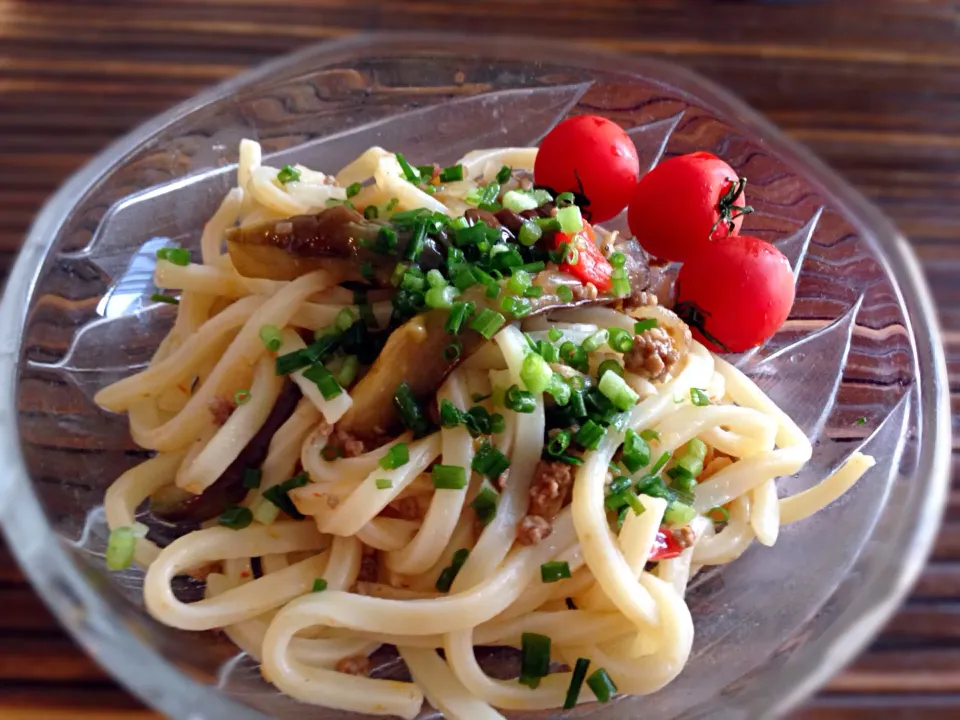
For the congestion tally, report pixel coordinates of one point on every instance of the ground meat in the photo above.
(369, 568)
(685, 536)
(653, 354)
(640, 298)
(585, 292)
(550, 489)
(333, 502)
(533, 529)
(348, 445)
(221, 409)
(354, 665)
(408, 508)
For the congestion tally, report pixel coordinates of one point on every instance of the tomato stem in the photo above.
(728, 211)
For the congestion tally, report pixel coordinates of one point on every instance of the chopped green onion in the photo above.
(570, 219)
(412, 282)
(548, 223)
(318, 351)
(642, 325)
(449, 477)
(453, 173)
(664, 459)
(488, 322)
(636, 452)
(532, 267)
(319, 585)
(236, 517)
(554, 334)
(621, 282)
(411, 415)
(436, 279)
(324, 380)
(354, 189)
(409, 172)
(519, 281)
(678, 514)
(397, 456)
(576, 683)
(574, 355)
(533, 292)
(551, 572)
(440, 297)
(345, 318)
(565, 199)
(535, 373)
(417, 241)
(698, 397)
(559, 389)
(618, 259)
(370, 212)
(270, 337)
(265, 512)
(609, 365)
(177, 256)
(503, 174)
(515, 306)
(489, 461)
(279, 495)
(392, 203)
(718, 514)
(485, 503)
(452, 351)
(620, 340)
(489, 194)
(534, 659)
(384, 483)
(241, 397)
(497, 423)
(550, 353)
(426, 172)
(541, 196)
(252, 477)
(161, 298)
(589, 435)
(602, 686)
(564, 293)
(650, 434)
(690, 457)
(519, 401)
(449, 574)
(288, 174)
(558, 444)
(615, 388)
(348, 371)
(519, 201)
(595, 341)
(121, 547)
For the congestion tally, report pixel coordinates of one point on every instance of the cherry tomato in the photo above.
(593, 158)
(685, 202)
(735, 293)
(591, 266)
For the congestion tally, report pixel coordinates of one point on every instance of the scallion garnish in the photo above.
(620, 340)
(489, 461)
(664, 459)
(615, 388)
(449, 477)
(319, 585)
(161, 298)
(449, 574)
(354, 189)
(384, 483)
(370, 212)
(518, 202)
(575, 356)
(570, 220)
(318, 351)
(417, 241)
(459, 313)
(554, 334)
(620, 284)
(699, 398)
(440, 297)
(551, 572)
(503, 174)
(348, 371)
(535, 373)
(270, 337)
(609, 365)
(397, 456)
(533, 292)
(241, 397)
(718, 514)
(565, 199)
(279, 495)
(177, 256)
(288, 174)
(453, 173)
(650, 434)
(564, 293)
(589, 435)
(602, 686)
(558, 444)
(409, 172)
(121, 547)
(324, 380)
(411, 415)
(519, 281)
(534, 659)
(488, 322)
(550, 353)
(576, 683)
(559, 389)
(636, 452)
(518, 400)
(515, 306)
(236, 517)
(595, 342)
(678, 514)
(642, 325)
(485, 503)
(252, 477)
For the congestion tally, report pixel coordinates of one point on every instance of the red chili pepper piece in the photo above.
(666, 546)
(591, 265)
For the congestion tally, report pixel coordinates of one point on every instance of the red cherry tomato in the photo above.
(735, 293)
(683, 203)
(593, 158)
(591, 265)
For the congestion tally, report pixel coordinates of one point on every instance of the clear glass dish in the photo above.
(862, 342)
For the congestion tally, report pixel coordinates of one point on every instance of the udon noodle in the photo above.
(353, 559)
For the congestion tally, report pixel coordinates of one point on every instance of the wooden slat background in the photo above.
(873, 87)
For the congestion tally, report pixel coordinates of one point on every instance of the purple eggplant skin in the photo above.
(178, 506)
